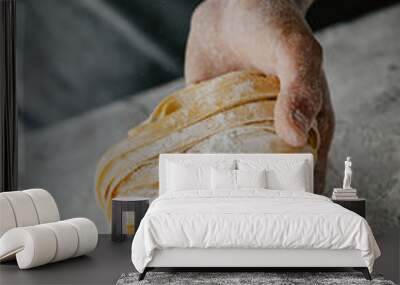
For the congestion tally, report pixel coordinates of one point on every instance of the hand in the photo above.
(273, 37)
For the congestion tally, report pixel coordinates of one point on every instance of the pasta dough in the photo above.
(233, 113)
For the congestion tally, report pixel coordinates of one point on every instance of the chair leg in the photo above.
(364, 271)
(142, 275)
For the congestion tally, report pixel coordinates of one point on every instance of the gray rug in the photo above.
(269, 278)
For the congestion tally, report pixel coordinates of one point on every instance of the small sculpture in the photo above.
(347, 174)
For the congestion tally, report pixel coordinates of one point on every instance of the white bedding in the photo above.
(252, 218)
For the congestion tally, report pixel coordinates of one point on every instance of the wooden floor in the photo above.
(110, 260)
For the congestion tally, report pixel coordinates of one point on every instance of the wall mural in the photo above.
(99, 99)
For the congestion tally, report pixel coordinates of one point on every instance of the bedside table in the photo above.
(127, 210)
(357, 205)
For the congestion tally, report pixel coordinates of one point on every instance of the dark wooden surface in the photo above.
(8, 125)
(357, 206)
(111, 259)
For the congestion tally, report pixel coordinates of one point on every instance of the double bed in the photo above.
(247, 210)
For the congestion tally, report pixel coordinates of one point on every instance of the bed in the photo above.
(244, 211)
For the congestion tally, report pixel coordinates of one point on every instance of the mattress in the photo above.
(250, 219)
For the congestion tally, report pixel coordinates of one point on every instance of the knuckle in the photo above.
(331, 120)
(326, 124)
(196, 16)
(313, 52)
(315, 48)
(306, 49)
(200, 12)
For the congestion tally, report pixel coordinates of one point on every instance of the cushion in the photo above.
(251, 178)
(45, 206)
(281, 175)
(32, 246)
(187, 177)
(293, 177)
(23, 208)
(7, 220)
(26, 208)
(40, 244)
(223, 179)
(67, 237)
(87, 233)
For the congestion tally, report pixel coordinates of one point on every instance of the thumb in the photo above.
(299, 70)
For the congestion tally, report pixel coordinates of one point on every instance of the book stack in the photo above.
(344, 194)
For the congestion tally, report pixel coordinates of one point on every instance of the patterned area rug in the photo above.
(269, 278)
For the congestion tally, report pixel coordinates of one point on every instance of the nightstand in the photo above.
(127, 213)
(357, 205)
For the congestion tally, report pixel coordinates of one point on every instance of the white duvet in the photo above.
(250, 218)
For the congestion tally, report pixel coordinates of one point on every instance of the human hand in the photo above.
(272, 37)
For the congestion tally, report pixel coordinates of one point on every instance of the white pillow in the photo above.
(281, 175)
(223, 179)
(187, 177)
(251, 178)
(294, 179)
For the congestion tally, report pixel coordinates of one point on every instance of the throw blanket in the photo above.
(250, 218)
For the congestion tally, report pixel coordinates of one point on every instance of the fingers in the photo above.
(207, 55)
(288, 49)
(302, 90)
(197, 64)
(200, 65)
(326, 126)
(270, 36)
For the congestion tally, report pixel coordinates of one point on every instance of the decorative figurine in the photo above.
(347, 174)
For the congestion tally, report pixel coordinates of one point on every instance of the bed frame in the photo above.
(236, 259)
(260, 259)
